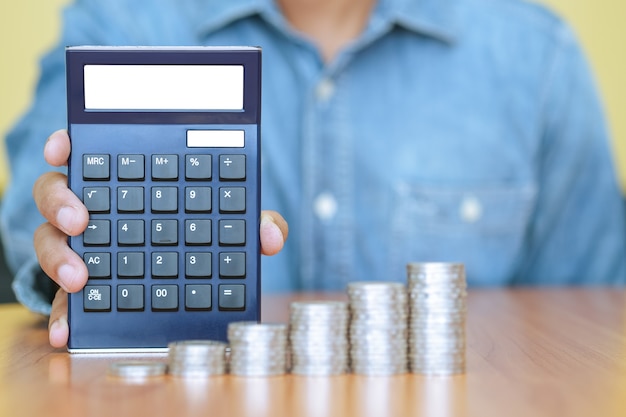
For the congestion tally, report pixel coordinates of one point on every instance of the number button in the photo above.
(164, 199)
(198, 199)
(198, 265)
(130, 297)
(164, 297)
(165, 265)
(130, 264)
(197, 232)
(130, 200)
(130, 232)
(165, 232)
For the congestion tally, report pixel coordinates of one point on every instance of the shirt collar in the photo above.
(435, 18)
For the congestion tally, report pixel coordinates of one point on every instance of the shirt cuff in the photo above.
(26, 287)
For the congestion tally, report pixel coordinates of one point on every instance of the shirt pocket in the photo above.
(481, 226)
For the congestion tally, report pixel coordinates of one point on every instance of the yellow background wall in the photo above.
(29, 27)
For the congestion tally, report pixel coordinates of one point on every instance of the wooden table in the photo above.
(548, 352)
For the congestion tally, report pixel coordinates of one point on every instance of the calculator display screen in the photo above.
(163, 87)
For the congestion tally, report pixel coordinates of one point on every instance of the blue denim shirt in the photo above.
(458, 130)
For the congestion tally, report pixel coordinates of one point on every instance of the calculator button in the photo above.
(198, 297)
(96, 167)
(130, 200)
(198, 199)
(97, 298)
(197, 232)
(164, 297)
(165, 167)
(164, 232)
(130, 264)
(198, 167)
(232, 264)
(232, 297)
(97, 233)
(198, 265)
(233, 167)
(130, 297)
(97, 199)
(130, 167)
(98, 264)
(164, 199)
(130, 232)
(165, 265)
(232, 232)
(232, 199)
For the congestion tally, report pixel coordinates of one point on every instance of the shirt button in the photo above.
(471, 209)
(325, 206)
(325, 89)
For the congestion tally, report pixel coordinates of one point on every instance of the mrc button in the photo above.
(96, 167)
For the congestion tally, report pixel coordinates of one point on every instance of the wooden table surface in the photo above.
(548, 352)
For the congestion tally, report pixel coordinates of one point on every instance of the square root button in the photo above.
(232, 297)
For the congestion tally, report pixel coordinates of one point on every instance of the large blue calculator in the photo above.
(166, 158)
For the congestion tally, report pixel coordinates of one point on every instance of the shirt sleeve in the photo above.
(578, 234)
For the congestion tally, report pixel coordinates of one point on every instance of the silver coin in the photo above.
(137, 369)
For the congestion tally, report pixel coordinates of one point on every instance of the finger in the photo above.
(57, 260)
(59, 205)
(58, 329)
(57, 148)
(273, 232)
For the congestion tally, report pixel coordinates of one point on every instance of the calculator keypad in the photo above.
(167, 255)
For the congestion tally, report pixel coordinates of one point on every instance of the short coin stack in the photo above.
(197, 358)
(378, 329)
(137, 370)
(257, 349)
(318, 334)
(437, 294)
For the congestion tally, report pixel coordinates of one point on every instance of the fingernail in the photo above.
(65, 218)
(67, 275)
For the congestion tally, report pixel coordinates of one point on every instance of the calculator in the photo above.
(166, 158)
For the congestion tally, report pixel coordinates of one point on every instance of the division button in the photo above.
(233, 167)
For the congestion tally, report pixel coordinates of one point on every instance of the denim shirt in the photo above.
(459, 130)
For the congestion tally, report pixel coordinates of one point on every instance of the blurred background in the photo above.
(29, 27)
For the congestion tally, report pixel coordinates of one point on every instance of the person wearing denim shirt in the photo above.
(461, 130)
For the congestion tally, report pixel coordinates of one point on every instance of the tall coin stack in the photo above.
(378, 327)
(257, 349)
(318, 334)
(197, 358)
(437, 293)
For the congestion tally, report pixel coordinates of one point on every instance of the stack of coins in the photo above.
(257, 349)
(437, 293)
(318, 334)
(378, 328)
(197, 358)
